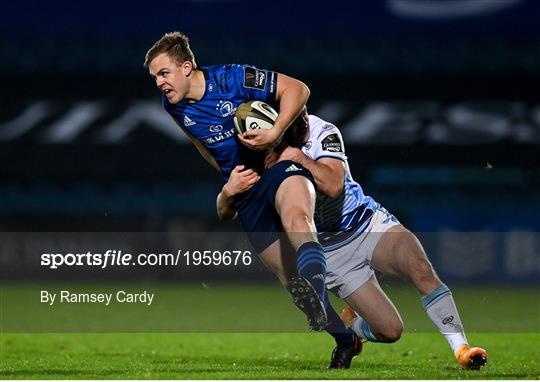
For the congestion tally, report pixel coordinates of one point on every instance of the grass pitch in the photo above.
(504, 321)
(254, 356)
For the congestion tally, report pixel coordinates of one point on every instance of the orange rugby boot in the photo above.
(471, 358)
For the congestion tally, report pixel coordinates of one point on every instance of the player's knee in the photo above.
(393, 335)
(391, 332)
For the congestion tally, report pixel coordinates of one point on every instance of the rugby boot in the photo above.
(471, 358)
(343, 355)
(307, 300)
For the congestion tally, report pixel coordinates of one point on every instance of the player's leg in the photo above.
(350, 277)
(282, 264)
(259, 216)
(295, 204)
(399, 253)
(347, 345)
(378, 320)
(279, 258)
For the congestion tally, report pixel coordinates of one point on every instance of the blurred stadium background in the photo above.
(438, 103)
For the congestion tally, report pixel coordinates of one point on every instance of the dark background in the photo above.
(437, 101)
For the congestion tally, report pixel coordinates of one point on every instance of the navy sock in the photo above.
(311, 265)
(337, 329)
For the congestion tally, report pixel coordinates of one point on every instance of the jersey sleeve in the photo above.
(255, 84)
(328, 143)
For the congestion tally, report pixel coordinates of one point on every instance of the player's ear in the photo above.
(187, 68)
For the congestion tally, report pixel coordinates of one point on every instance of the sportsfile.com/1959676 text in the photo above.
(111, 258)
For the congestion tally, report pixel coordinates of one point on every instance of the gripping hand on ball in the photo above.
(260, 139)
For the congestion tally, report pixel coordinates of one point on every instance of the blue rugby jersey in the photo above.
(210, 120)
(338, 220)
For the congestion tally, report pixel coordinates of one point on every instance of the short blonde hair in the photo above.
(175, 45)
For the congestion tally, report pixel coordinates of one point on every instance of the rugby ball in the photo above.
(254, 115)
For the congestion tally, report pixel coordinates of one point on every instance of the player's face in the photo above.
(171, 78)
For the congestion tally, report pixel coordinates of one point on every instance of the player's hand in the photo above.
(292, 153)
(260, 139)
(281, 153)
(240, 181)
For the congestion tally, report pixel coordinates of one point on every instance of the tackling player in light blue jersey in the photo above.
(358, 236)
(203, 101)
(340, 217)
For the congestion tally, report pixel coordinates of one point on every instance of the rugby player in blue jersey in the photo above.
(203, 101)
(358, 235)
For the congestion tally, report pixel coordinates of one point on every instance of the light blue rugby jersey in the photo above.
(210, 120)
(342, 219)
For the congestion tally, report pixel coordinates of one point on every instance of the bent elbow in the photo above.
(226, 215)
(223, 215)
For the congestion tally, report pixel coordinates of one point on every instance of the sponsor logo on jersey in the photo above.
(225, 108)
(292, 167)
(448, 320)
(188, 121)
(332, 143)
(308, 145)
(273, 79)
(215, 128)
(254, 78)
(220, 136)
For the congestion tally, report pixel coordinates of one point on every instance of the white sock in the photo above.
(361, 328)
(440, 307)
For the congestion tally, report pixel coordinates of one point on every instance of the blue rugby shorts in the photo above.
(256, 207)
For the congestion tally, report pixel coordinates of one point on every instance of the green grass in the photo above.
(216, 336)
(215, 307)
(253, 356)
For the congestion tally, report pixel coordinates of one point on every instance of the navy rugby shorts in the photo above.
(256, 207)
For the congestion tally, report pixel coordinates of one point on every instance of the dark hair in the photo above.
(296, 134)
(175, 45)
